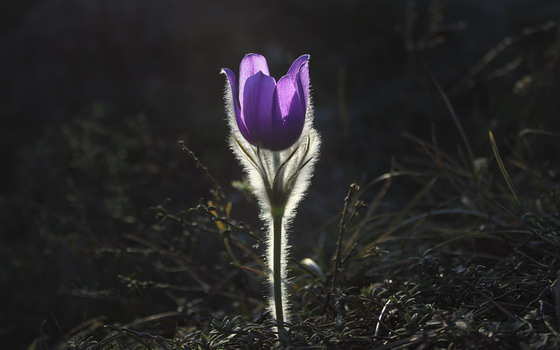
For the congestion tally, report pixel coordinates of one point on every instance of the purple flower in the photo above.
(270, 114)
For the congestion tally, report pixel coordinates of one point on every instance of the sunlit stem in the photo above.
(277, 282)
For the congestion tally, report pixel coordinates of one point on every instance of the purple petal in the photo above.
(256, 108)
(284, 94)
(302, 79)
(294, 69)
(233, 86)
(288, 115)
(250, 65)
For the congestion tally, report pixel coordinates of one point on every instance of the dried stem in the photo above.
(342, 229)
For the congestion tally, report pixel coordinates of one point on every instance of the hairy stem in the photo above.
(277, 266)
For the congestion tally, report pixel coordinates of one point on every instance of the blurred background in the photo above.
(95, 95)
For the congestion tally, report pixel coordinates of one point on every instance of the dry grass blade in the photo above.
(453, 114)
(504, 172)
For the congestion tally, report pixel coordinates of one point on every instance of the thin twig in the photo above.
(502, 309)
(342, 229)
(219, 193)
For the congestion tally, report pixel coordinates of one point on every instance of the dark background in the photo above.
(94, 96)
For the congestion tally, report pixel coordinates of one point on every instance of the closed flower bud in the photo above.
(270, 114)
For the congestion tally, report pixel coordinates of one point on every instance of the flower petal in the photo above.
(235, 100)
(288, 117)
(302, 79)
(250, 65)
(256, 108)
(299, 72)
(294, 69)
(284, 95)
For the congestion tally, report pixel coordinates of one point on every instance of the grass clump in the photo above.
(469, 261)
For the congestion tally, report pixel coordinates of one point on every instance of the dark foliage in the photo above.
(117, 237)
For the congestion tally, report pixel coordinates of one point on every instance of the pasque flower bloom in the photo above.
(272, 135)
(270, 114)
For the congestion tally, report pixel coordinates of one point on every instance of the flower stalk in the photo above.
(277, 280)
